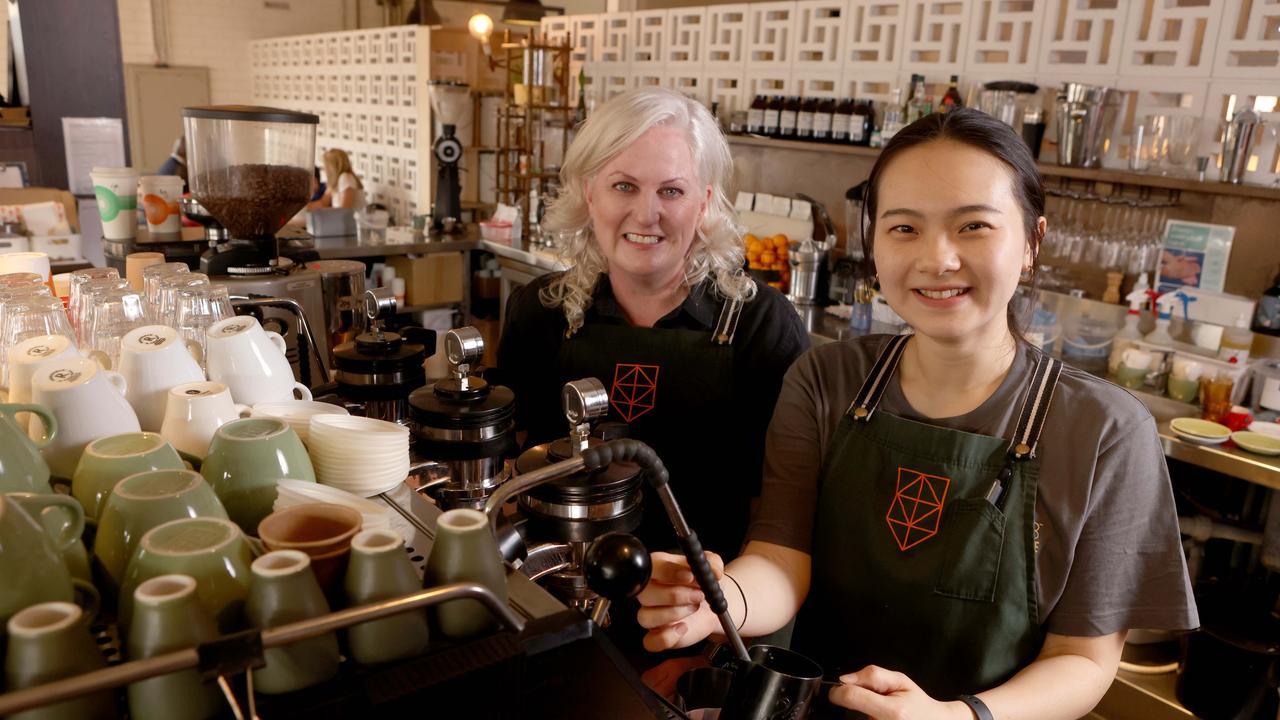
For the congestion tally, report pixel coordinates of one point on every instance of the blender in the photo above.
(250, 169)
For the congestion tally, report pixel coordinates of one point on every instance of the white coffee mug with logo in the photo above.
(251, 362)
(88, 403)
(27, 356)
(153, 359)
(193, 413)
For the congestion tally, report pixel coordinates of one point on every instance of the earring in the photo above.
(1026, 274)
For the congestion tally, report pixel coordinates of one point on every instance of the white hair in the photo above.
(716, 251)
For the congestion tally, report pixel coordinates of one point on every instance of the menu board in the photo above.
(1194, 255)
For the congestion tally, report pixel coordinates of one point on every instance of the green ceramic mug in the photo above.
(51, 641)
(1183, 390)
(22, 468)
(141, 502)
(285, 591)
(246, 459)
(108, 460)
(381, 570)
(211, 550)
(167, 617)
(464, 550)
(31, 566)
(63, 519)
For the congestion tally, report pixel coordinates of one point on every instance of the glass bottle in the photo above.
(755, 115)
(804, 120)
(789, 118)
(822, 120)
(772, 116)
(860, 124)
(952, 97)
(840, 121)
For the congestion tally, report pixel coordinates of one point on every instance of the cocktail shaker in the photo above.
(1238, 141)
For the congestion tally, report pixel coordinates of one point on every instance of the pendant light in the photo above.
(523, 12)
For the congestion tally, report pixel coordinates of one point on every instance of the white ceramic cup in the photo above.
(27, 356)
(32, 262)
(1187, 369)
(159, 195)
(88, 403)
(117, 193)
(153, 359)
(1136, 359)
(193, 413)
(251, 362)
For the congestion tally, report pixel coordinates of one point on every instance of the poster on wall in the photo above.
(1194, 255)
(91, 143)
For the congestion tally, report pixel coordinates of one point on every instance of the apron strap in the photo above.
(727, 323)
(1035, 408)
(868, 397)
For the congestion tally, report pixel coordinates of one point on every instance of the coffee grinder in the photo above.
(561, 519)
(249, 168)
(450, 101)
(464, 426)
(380, 368)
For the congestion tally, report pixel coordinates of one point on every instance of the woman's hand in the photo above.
(887, 695)
(672, 608)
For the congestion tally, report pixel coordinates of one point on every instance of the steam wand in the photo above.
(624, 450)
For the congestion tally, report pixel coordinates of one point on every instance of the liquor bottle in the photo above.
(893, 116)
(952, 97)
(789, 118)
(772, 116)
(804, 119)
(755, 116)
(580, 112)
(840, 121)
(822, 120)
(919, 104)
(861, 124)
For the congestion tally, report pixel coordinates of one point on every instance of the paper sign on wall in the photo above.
(1194, 255)
(90, 143)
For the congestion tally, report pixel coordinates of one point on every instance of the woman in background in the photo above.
(344, 189)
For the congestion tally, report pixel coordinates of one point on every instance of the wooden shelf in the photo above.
(1049, 170)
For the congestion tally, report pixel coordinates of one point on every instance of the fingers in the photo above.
(670, 569)
(862, 700)
(659, 594)
(655, 617)
(667, 637)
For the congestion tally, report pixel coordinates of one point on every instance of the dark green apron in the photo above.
(923, 556)
(673, 389)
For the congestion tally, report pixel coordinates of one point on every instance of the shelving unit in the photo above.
(524, 128)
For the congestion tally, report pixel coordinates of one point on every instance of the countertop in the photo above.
(399, 241)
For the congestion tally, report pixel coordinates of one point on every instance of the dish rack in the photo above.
(546, 660)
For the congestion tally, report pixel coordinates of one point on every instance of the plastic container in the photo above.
(497, 231)
(1236, 342)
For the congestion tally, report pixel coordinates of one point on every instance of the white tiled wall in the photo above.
(369, 88)
(1167, 56)
(216, 34)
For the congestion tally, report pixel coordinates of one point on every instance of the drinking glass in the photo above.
(76, 283)
(170, 286)
(1182, 144)
(36, 315)
(198, 308)
(19, 279)
(91, 291)
(116, 313)
(151, 276)
(15, 297)
(1215, 397)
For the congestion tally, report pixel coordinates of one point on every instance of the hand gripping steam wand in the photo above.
(625, 450)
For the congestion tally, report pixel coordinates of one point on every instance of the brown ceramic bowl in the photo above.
(317, 529)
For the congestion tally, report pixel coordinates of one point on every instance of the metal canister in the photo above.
(1238, 141)
(1086, 116)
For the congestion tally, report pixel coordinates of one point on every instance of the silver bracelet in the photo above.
(744, 600)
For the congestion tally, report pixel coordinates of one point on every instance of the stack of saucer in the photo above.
(361, 455)
(297, 413)
(301, 492)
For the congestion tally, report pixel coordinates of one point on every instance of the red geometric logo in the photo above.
(917, 507)
(635, 388)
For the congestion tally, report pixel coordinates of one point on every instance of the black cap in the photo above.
(249, 113)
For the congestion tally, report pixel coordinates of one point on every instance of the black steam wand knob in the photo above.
(617, 566)
(635, 451)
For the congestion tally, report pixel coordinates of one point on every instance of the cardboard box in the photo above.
(430, 279)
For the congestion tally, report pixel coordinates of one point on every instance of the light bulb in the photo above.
(481, 26)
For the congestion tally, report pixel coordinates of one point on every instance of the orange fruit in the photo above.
(749, 238)
(768, 258)
(780, 241)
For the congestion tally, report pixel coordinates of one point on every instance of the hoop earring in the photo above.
(1026, 275)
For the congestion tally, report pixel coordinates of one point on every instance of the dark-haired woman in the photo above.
(961, 526)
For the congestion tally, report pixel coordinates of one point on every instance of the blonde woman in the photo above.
(657, 307)
(344, 189)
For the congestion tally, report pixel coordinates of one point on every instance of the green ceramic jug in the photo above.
(465, 550)
(284, 591)
(379, 570)
(31, 568)
(168, 616)
(50, 641)
(22, 468)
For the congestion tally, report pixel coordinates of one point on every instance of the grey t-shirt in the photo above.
(1108, 552)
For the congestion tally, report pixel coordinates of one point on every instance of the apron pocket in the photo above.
(974, 538)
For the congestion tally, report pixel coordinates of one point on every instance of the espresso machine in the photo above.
(379, 369)
(249, 169)
(465, 428)
(562, 522)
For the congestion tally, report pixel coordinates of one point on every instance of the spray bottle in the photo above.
(1180, 327)
(1129, 333)
(1165, 306)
